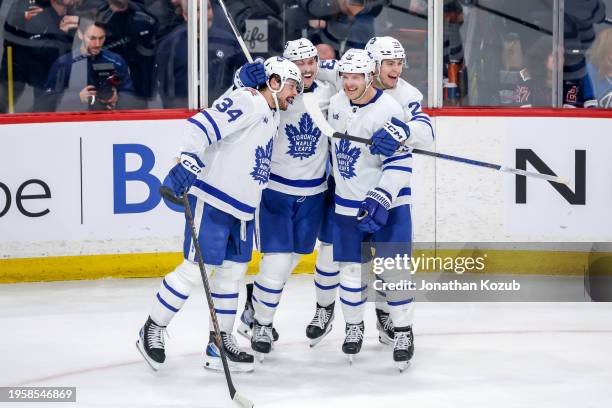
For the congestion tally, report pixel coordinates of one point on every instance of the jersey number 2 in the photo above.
(224, 106)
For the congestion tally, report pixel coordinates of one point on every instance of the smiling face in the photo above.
(308, 68)
(287, 94)
(390, 71)
(354, 85)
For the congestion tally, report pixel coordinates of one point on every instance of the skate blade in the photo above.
(384, 339)
(215, 364)
(152, 363)
(314, 342)
(402, 365)
(244, 330)
(260, 356)
(351, 359)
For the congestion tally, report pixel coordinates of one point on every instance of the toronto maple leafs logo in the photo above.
(303, 141)
(346, 156)
(263, 162)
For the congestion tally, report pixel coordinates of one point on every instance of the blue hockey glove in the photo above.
(184, 174)
(374, 210)
(390, 137)
(252, 75)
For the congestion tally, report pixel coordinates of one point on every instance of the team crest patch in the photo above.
(303, 141)
(346, 156)
(263, 162)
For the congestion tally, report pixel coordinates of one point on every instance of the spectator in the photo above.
(224, 58)
(171, 65)
(91, 79)
(168, 13)
(514, 79)
(600, 68)
(326, 52)
(131, 33)
(270, 11)
(342, 24)
(577, 93)
(38, 34)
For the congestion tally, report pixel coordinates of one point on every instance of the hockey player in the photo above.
(372, 195)
(292, 205)
(415, 131)
(224, 165)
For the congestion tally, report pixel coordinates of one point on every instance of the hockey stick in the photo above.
(241, 400)
(232, 24)
(312, 106)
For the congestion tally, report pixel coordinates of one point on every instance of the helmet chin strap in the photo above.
(274, 92)
(369, 84)
(275, 100)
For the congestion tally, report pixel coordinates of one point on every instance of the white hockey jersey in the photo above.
(421, 129)
(356, 170)
(328, 73)
(234, 139)
(300, 151)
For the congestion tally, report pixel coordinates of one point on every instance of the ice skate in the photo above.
(385, 327)
(261, 340)
(403, 347)
(321, 324)
(237, 360)
(151, 344)
(353, 341)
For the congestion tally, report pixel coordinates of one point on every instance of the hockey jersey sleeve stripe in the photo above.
(423, 117)
(323, 287)
(394, 158)
(224, 295)
(406, 191)
(207, 188)
(428, 124)
(267, 289)
(400, 302)
(320, 272)
(346, 302)
(345, 202)
(174, 291)
(265, 303)
(225, 311)
(202, 128)
(213, 123)
(353, 289)
(297, 183)
(166, 304)
(399, 168)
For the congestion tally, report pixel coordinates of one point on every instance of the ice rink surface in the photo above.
(501, 355)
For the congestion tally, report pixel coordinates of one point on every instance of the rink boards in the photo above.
(78, 200)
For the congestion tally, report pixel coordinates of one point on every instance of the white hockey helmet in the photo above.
(384, 48)
(285, 69)
(355, 61)
(299, 49)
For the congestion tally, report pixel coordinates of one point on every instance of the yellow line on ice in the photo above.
(158, 264)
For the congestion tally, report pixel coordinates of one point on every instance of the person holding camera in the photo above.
(93, 79)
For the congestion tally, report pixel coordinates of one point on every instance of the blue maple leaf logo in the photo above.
(263, 163)
(346, 156)
(303, 142)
